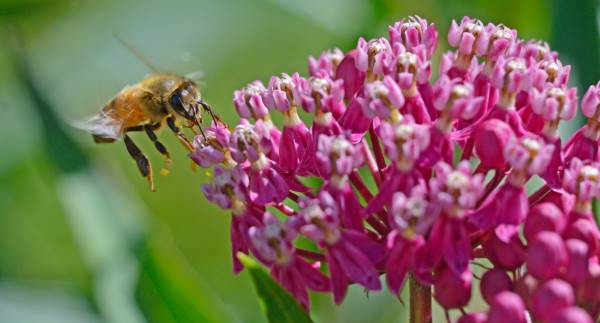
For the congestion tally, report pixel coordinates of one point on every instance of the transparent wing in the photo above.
(101, 125)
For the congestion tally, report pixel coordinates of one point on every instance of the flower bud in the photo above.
(507, 307)
(505, 256)
(546, 255)
(525, 287)
(584, 230)
(571, 315)
(490, 139)
(473, 318)
(577, 251)
(544, 217)
(550, 298)
(451, 290)
(493, 282)
(591, 101)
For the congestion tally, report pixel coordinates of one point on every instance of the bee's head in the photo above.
(185, 99)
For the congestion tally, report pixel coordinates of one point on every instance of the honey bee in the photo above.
(157, 100)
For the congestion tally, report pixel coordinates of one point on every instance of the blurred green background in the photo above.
(81, 237)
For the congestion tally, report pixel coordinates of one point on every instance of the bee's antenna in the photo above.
(213, 115)
(199, 124)
(136, 53)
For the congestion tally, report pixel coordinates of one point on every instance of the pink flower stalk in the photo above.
(416, 179)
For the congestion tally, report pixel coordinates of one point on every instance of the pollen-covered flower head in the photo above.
(414, 33)
(528, 155)
(250, 142)
(211, 149)
(590, 105)
(410, 67)
(411, 214)
(336, 157)
(553, 103)
(535, 49)
(373, 56)
(327, 63)
(495, 40)
(284, 91)
(322, 93)
(273, 241)
(455, 190)
(320, 219)
(465, 36)
(456, 98)
(225, 190)
(249, 101)
(380, 98)
(582, 179)
(404, 141)
(511, 75)
(550, 71)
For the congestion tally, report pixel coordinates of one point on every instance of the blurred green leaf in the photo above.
(279, 306)
(170, 291)
(576, 37)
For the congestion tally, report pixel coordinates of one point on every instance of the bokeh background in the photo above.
(81, 237)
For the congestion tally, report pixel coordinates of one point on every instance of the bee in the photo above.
(157, 101)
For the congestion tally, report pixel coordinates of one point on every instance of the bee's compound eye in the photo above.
(176, 102)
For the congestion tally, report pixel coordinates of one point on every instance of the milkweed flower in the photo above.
(407, 172)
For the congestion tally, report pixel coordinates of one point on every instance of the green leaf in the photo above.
(279, 306)
(169, 291)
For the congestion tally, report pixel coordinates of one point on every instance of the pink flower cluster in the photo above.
(392, 171)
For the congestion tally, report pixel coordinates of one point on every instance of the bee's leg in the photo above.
(142, 161)
(179, 133)
(161, 149)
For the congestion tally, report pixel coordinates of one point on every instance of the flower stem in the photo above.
(420, 301)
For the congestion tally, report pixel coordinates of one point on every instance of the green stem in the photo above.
(420, 301)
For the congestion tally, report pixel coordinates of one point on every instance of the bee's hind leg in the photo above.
(161, 149)
(142, 161)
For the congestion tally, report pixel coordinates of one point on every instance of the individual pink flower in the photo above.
(466, 35)
(373, 56)
(411, 217)
(272, 243)
(382, 99)
(327, 63)
(213, 148)
(495, 40)
(249, 101)
(456, 192)
(344, 249)
(414, 33)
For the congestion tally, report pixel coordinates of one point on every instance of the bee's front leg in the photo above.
(142, 161)
(180, 135)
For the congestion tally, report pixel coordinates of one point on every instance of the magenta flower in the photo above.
(327, 63)
(272, 244)
(393, 173)
(344, 249)
(415, 33)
